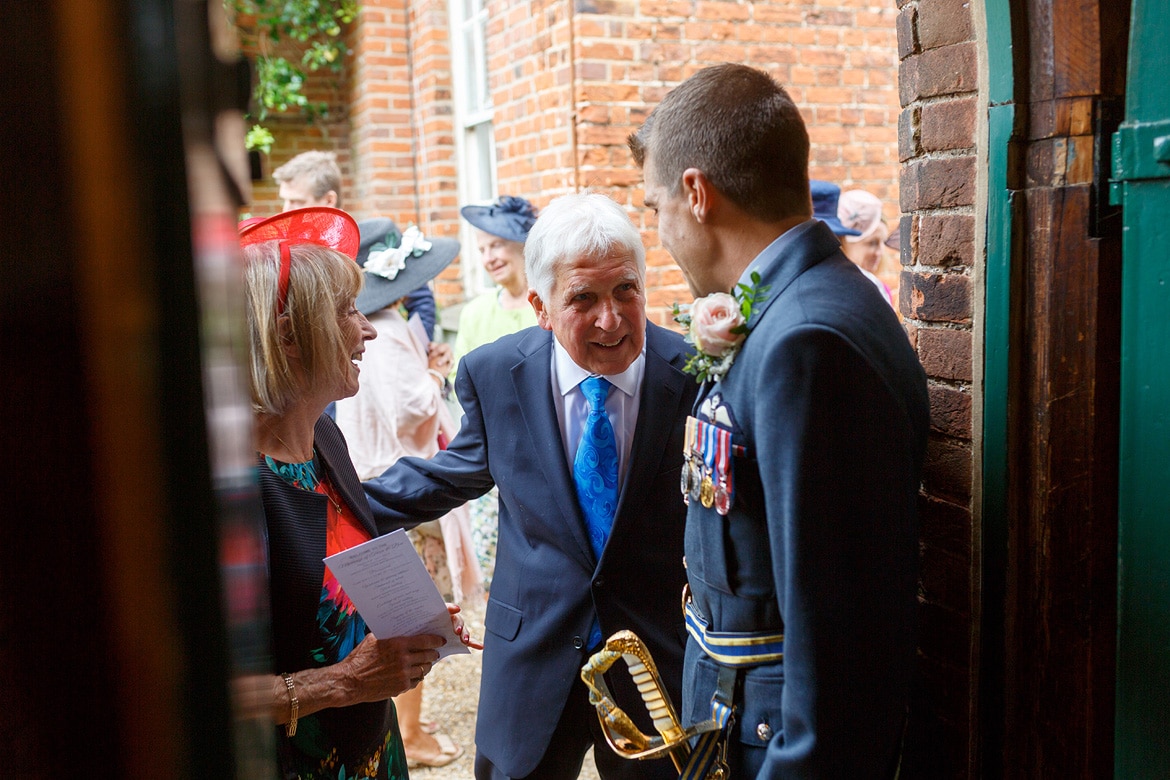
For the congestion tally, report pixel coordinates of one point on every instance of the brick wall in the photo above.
(390, 122)
(292, 132)
(531, 79)
(937, 148)
(380, 118)
(569, 82)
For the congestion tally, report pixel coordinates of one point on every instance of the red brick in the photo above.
(908, 235)
(908, 80)
(947, 125)
(911, 332)
(948, 70)
(943, 22)
(938, 297)
(945, 240)
(774, 14)
(946, 472)
(907, 28)
(938, 183)
(945, 353)
(739, 12)
(945, 580)
(829, 18)
(950, 411)
(609, 7)
(592, 71)
(946, 526)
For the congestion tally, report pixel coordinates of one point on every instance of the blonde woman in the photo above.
(331, 698)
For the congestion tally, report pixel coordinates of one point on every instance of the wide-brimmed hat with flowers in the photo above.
(824, 198)
(397, 263)
(508, 217)
(319, 225)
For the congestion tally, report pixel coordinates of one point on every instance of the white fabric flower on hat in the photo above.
(387, 262)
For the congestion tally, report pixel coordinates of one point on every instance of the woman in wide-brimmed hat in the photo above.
(862, 211)
(501, 228)
(306, 341)
(852, 228)
(400, 411)
(500, 231)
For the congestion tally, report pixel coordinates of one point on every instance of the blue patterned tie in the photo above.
(595, 473)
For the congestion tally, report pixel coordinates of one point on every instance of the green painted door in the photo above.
(1141, 172)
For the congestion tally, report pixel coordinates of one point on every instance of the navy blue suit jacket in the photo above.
(547, 585)
(829, 403)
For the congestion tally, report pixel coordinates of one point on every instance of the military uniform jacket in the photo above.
(828, 410)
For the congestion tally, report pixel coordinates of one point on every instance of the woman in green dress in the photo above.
(501, 229)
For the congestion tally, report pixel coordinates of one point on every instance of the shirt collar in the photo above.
(771, 254)
(569, 374)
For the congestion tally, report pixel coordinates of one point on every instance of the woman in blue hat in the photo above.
(501, 229)
(826, 207)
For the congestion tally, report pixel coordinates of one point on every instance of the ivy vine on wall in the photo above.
(316, 27)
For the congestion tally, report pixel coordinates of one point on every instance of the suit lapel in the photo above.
(531, 377)
(663, 389)
(332, 447)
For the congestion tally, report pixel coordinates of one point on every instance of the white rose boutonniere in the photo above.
(717, 325)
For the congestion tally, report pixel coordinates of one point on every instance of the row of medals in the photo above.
(700, 482)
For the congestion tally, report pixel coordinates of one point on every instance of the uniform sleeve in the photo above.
(834, 456)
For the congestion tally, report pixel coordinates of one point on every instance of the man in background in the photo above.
(314, 179)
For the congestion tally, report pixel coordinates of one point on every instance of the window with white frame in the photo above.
(475, 142)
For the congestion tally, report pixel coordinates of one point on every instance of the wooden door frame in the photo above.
(1046, 536)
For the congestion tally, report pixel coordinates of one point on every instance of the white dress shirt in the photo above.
(621, 405)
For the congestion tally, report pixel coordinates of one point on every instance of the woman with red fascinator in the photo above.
(332, 697)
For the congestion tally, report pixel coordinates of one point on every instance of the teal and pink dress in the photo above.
(312, 510)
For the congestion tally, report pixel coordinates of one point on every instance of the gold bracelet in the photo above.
(294, 705)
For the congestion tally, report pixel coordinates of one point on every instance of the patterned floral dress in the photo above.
(313, 754)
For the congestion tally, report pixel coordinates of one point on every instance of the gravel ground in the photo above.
(450, 697)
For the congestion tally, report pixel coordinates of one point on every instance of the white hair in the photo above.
(583, 223)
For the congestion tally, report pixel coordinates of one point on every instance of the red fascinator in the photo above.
(319, 225)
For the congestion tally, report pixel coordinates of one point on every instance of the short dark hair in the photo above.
(740, 128)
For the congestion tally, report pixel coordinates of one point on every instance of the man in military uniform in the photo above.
(803, 455)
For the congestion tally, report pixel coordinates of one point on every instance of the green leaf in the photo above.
(260, 138)
(280, 85)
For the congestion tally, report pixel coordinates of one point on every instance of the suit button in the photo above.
(578, 642)
(764, 732)
(599, 582)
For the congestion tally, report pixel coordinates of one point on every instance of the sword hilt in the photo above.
(626, 739)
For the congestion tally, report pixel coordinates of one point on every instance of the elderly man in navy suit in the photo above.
(804, 453)
(580, 422)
